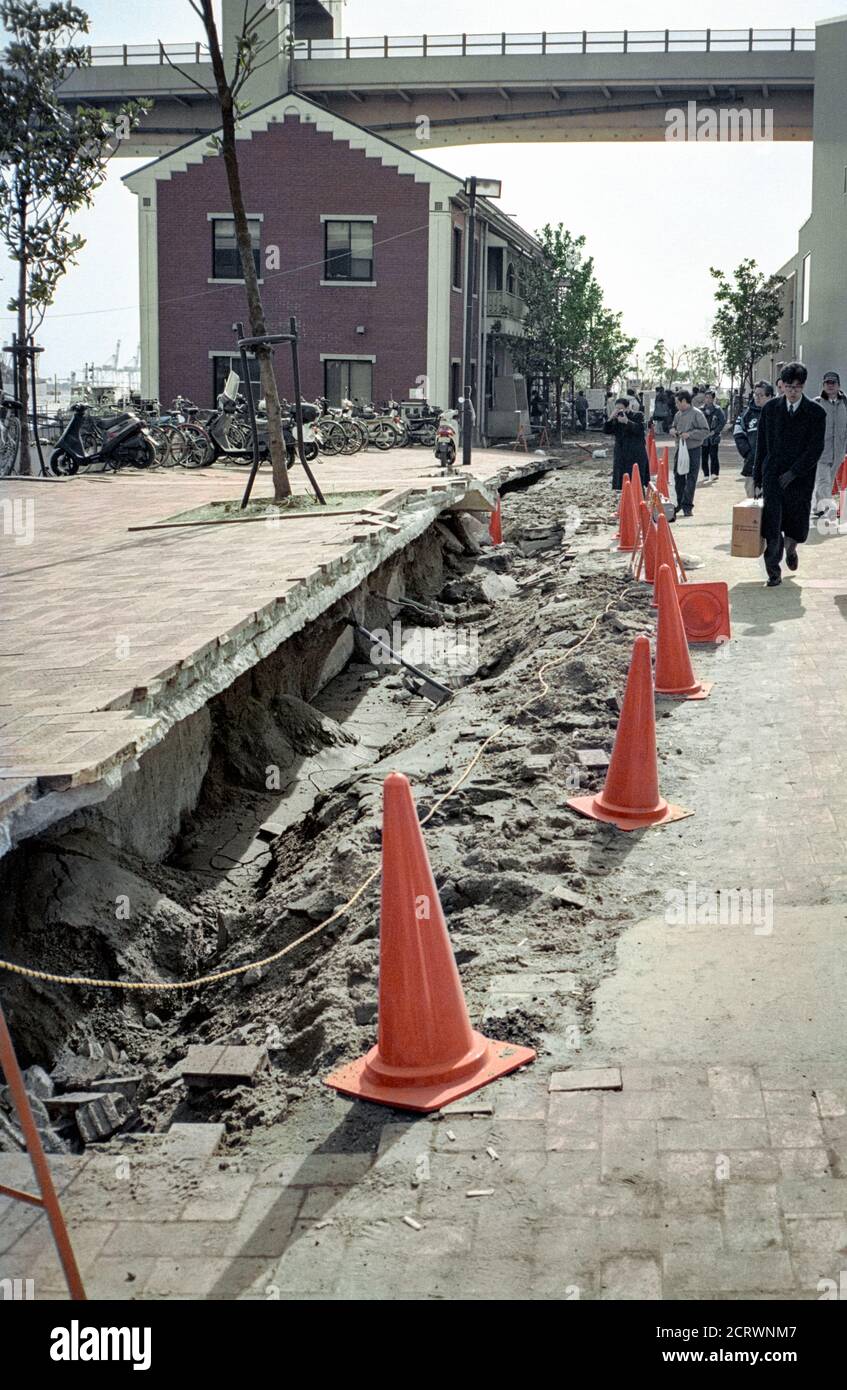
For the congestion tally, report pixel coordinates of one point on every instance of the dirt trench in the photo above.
(287, 822)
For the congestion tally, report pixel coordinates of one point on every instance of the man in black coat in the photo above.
(789, 443)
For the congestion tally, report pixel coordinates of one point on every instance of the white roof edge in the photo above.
(262, 117)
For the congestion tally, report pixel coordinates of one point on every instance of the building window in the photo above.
(806, 291)
(349, 251)
(510, 277)
(495, 267)
(348, 379)
(457, 258)
(223, 363)
(226, 260)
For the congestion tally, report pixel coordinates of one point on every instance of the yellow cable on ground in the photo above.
(217, 976)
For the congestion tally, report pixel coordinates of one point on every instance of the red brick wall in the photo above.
(292, 173)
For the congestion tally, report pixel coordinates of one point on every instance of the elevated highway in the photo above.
(434, 90)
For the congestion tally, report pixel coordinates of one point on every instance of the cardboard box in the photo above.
(747, 540)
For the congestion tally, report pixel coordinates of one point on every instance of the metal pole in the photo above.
(466, 403)
(298, 412)
(254, 427)
(32, 376)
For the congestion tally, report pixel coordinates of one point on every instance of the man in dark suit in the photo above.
(789, 443)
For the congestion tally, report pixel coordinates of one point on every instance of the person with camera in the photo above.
(626, 423)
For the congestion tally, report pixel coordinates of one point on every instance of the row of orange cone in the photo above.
(427, 1054)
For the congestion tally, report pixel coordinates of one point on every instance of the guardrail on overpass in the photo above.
(482, 45)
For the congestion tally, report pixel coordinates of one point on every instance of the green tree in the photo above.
(52, 160)
(609, 348)
(656, 362)
(748, 318)
(256, 44)
(701, 363)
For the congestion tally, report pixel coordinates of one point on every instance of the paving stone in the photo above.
(767, 1271)
(718, 1135)
(194, 1141)
(818, 1248)
(598, 1079)
(220, 1197)
(814, 1197)
(574, 1121)
(216, 1066)
(630, 1277)
(736, 1093)
(751, 1216)
(805, 1163)
(702, 1232)
(629, 1151)
(793, 1120)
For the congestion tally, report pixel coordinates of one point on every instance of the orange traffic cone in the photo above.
(674, 673)
(664, 556)
(630, 799)
(652, 453)
(648, 531)
(427, 1054)
(662, 483)
(839, 483)
(495, 529)
(705, 611)
(628, 529)
(637, 485)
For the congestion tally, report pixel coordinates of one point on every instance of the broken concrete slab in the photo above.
(217, 1066)
(592, 757)
(101, 1117)
(193, 1141)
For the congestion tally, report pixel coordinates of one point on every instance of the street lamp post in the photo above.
(474, 188)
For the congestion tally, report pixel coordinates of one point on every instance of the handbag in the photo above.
(683, 459)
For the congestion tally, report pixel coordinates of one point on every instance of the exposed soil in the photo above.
(524, 882)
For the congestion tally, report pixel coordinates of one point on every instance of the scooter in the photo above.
(445, 438)
(123, 440)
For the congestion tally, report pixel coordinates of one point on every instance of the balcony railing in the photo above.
(500, 304)
(503, 44)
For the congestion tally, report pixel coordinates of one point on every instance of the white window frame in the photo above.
(348, 217)
(228, 217)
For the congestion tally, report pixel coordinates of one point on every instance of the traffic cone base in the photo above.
(705, 611)
(596, 809)
(699, 691)
(366, 1079)
(427, 1053)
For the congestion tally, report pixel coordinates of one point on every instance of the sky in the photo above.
(655, 216)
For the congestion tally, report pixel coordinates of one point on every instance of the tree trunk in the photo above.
(255, 309)
(22, 381)
(557, 382)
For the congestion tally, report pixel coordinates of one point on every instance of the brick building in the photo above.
(361, 240)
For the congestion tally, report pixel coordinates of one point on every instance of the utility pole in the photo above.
(490, 188)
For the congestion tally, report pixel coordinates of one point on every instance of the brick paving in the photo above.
(97, 619)
(715, 1169)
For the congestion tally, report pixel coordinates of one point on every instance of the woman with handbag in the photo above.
(690, 427)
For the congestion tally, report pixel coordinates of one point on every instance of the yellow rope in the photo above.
(217, 976)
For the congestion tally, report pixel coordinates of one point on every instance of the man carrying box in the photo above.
(789, 443)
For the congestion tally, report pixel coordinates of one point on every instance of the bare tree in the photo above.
(251, 53)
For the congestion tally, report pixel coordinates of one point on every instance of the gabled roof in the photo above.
(261, 118)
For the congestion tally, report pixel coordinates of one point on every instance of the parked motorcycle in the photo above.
(124, 440)
(446, 438)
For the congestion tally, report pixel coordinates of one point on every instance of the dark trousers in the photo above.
(711, 462)
(773, 522)
(686, 483)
